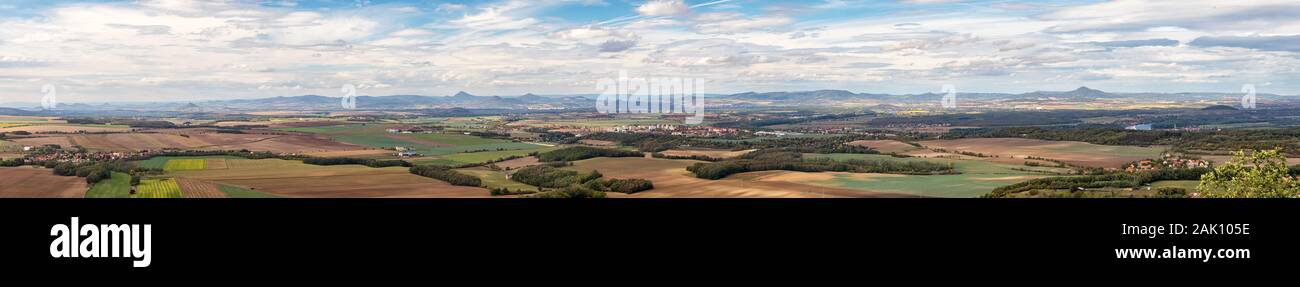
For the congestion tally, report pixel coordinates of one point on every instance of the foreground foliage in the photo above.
(1261, 174)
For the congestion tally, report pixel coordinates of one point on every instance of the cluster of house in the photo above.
(406, 152)
(1166, 161)
(81, 157)
(677, 130)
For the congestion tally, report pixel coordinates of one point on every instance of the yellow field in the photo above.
(158, 188)
(185, 164)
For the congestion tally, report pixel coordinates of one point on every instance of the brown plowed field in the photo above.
(27, 182)
(199, 189)
(295, 179)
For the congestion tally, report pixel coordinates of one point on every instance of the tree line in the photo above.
(583, 152)
(762, 160)
(550, 177)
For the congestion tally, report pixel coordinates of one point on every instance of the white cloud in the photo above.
(657, 8)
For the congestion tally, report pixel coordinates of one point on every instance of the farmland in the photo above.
(119, 186)
(976, 177)
(199, 140)
(479, 157)
(39, 182)
(376, 136)
(672, 180)
(295, 179)
(1015, 150)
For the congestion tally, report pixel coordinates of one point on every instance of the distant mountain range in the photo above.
(552, 102)
(828, 97)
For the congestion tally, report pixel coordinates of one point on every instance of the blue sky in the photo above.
(98, 51)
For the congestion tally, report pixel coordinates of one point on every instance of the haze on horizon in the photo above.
(176, 50)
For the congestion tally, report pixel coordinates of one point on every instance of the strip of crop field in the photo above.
(158, 188)
(117, 187)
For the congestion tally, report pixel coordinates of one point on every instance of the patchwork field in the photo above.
(295, 179)
(376, 136)
(977, 177)
(174, 163)
(29, 182)
(1015, 150)
(671, 179)
(192, 140)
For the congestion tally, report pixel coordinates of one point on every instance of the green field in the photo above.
(185, 164)
(117, 187)
(182, 162)
(158, 188)
(240, 192)
(495, 179)
(1189, 185)
(976, 178)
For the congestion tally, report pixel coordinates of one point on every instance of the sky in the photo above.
(179, 50)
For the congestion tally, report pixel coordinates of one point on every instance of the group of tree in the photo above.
(95, 172)
(785, 159)
(376, 163)
(551, 177)
(446, 174)
(583, 152)
(1107, 180)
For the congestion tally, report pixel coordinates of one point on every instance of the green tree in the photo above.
(1262, 174)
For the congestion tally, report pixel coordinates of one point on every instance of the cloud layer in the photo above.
(196, 50)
